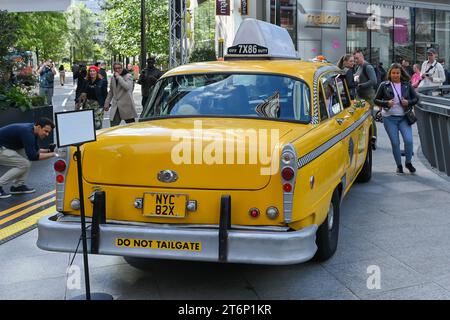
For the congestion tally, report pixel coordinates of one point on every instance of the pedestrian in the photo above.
(148, 78)
(365, 79)
(416, 77)
(62, 74)
(93, 95)
(347, 63)
(432, 72)
(102, 72)
(19, 146)
(120, 97)
(81, 78)
(46, 80)
(130, 70)
(395, 96)
(406, 64)
(382, 71)
(366, 85)
(75, 70)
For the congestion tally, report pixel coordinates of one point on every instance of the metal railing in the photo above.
(433, 124)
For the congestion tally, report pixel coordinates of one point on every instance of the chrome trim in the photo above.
(288, 197)
(72, 218)
(61, 187)
(167, 176)
(244, 246)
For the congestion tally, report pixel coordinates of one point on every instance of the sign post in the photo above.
(75, 128)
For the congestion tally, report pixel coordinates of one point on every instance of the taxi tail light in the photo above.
(288, 175)
(61, 167)
(254, 212)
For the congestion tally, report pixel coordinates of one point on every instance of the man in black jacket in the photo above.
(148, 78)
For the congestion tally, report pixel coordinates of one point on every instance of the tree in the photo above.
(82, 31)
(45, 32)
(8, 37)
(122, 23)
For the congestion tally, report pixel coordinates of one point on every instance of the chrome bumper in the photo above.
(244, 246)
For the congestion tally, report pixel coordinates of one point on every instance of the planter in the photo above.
(15, 115)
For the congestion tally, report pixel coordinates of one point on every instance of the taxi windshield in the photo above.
(243, 95)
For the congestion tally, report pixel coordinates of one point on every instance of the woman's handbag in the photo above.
(410, 116)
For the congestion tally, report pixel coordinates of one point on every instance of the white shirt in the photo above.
(437, 73)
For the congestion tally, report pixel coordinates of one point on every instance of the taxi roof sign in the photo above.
(256, 38)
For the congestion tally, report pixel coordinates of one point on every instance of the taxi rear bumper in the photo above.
(242, 246)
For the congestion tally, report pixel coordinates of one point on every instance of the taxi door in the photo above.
(351, 133)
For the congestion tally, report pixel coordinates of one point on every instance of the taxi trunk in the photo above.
(204, 153)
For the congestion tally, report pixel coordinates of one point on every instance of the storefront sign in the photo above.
(323, 19)
(222, 7)
(244, 7)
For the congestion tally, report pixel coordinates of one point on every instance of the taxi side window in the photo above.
(343, 91)
(322, 105)
(331, 95)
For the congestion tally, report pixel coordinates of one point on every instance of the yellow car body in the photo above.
(125, 163)
(241, 161)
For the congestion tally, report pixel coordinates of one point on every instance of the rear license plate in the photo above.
(166, 205)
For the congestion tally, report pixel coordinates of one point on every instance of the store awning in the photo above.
(33, 5)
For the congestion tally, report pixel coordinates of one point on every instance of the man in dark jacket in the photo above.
(148, 78)
(19, 146)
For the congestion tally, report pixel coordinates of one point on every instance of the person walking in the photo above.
(102, 72)
(46, 80)
(406, 64)
(93, 95)
(75, 69)
(432, 72)
(416, 77)
(148, 78)
(62, 75)
(395, 96)
(81, 78)
(19, 146)
(120, 97)
(347, 63)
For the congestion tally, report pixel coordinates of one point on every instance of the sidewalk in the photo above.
(398, 224)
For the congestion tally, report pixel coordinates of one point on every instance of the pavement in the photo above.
(393, 244)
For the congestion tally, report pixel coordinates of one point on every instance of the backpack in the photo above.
(377, 73)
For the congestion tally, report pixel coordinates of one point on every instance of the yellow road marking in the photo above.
(25, 223)
(2, 213)
(27, 210)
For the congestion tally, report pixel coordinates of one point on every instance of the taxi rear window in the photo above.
(243, 95)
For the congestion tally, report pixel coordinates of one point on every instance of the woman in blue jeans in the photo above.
(395, 96)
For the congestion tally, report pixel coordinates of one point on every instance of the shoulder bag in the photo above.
(409, 113)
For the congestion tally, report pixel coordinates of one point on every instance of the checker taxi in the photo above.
(244, 160)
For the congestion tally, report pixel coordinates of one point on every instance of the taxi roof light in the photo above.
(256, 32)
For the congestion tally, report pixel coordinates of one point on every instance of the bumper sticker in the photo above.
(158, 244)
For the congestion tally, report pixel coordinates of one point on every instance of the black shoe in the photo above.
(410, 167)
(400, 169)
(3, 194)
(21, 189)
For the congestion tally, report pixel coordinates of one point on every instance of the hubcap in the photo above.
(330, 217)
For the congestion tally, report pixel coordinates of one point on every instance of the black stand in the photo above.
(95, 296)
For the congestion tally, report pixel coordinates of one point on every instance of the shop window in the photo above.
(403, 37)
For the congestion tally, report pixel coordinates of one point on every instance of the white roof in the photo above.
(276, 39)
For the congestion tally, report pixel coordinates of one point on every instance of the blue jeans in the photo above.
(394, 124)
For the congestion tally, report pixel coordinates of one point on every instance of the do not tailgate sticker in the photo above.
(159, 244)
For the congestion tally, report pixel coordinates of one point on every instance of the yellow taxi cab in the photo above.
(244, 160)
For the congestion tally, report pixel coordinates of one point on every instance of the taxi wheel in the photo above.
(328, 232)
(366, 172)
(143, 264)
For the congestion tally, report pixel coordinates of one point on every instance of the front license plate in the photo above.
(165, 205)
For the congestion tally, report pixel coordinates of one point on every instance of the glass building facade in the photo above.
(386, 31)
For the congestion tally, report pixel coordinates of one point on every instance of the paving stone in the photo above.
(426, 291)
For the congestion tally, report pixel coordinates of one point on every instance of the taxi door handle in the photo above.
(340, 120)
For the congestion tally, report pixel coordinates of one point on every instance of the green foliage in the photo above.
(205, 24)
(45, 32)
(8, 36)
(200, 54)
(16, 97)
(122, 21)
(82, 29)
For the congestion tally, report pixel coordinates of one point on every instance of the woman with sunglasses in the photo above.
(395, 96)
